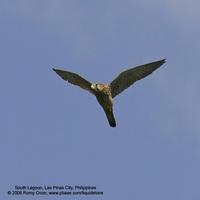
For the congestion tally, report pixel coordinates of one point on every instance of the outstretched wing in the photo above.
(128, 77)
(74, 79)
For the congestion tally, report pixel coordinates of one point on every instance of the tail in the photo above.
(111, 118)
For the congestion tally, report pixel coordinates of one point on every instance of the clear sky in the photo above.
(53, 133)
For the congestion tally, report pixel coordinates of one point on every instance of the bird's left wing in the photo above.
(74, 79)
(128, 77)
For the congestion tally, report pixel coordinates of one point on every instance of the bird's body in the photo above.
(104, 97)
(106, 92)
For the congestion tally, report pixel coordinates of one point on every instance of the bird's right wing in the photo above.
(128, 77)
(75, 79)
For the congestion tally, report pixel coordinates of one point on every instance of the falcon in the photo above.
(106, 92)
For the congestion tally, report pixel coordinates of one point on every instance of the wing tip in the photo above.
(160, 62)
(58, 71)
(164, 60)
(55, 70)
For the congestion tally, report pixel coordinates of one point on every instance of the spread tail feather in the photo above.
(111, 118)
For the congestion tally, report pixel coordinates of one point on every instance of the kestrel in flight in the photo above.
(106, 92)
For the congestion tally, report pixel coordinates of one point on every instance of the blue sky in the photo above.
(53, 133)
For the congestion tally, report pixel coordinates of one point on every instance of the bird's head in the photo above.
(97, 87)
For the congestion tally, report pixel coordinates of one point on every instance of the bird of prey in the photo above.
(106, 92)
